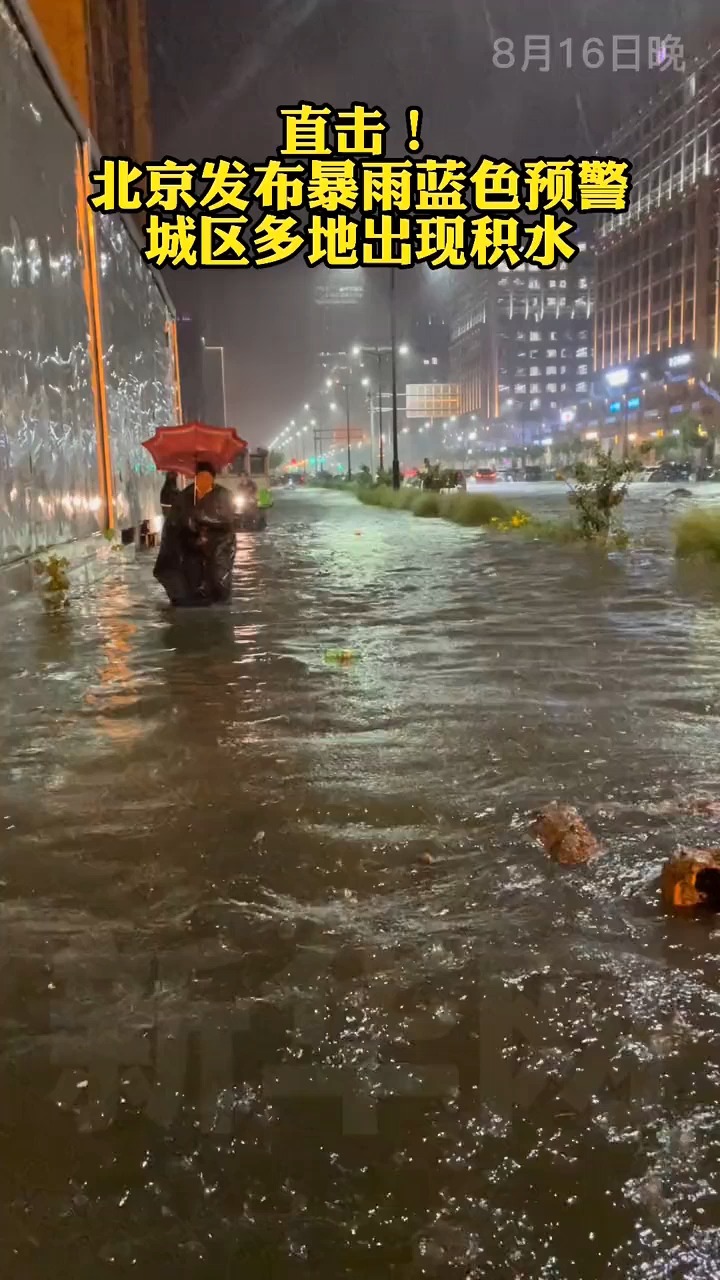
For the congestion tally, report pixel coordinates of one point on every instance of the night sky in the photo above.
(221, 68)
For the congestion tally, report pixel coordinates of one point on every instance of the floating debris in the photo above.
(564, 836)
(340, 657)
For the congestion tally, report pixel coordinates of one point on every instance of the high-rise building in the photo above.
(191, 357)
(658, 264)
(340, 308)
(521, 341)
(100, 47)
(427, 337)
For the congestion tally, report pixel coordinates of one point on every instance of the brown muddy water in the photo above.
(248, 1029)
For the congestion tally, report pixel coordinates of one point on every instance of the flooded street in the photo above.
(249, 1028)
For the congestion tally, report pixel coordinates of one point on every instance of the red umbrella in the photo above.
(181, 448)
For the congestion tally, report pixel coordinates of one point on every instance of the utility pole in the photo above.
(371, 406)
(347, 427)
(393, 361)
(378, 353)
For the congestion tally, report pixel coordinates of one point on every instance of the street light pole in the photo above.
(371, 407)
(626, 442)
(378, 353)
(393, 361)
(347, 427)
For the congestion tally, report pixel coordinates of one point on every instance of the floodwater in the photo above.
(248, 1029)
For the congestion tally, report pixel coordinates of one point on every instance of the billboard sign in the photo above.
(357, 435)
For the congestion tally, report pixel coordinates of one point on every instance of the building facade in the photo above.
(102, 54)
(521, 341)
(658, 265)
(427, 337)
(339, 310)
(191, 353)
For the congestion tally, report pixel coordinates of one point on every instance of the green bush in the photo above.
(474, 510)
(697, 534)
(426, 504)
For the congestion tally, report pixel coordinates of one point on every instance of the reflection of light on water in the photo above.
(118, 687)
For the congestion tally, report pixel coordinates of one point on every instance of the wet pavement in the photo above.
(249, 1027)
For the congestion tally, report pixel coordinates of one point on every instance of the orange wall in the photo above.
(63, 25)
(65, 28)
(138, 58)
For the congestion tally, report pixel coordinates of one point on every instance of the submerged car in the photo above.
(485, 475)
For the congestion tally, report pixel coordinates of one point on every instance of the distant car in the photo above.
(710, 474)
(533, 473)
(672, 473)
(485, 475)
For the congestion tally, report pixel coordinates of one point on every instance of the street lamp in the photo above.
(393, 367)
(378, 352)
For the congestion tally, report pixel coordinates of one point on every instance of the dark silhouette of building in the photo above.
(191, 358)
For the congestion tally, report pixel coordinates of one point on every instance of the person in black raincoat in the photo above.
(169, 493)
(197, 550)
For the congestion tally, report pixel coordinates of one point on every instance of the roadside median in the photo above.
(472, 510)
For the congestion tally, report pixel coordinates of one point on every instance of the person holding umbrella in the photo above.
(197, 550)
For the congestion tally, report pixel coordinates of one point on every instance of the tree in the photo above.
(276, 459)
(599, 488)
